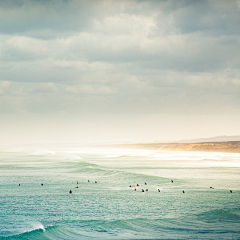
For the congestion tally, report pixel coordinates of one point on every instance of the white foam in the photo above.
(37, 225)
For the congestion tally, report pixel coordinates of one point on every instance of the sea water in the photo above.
(102, 204)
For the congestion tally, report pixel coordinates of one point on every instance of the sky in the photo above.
(105, 71)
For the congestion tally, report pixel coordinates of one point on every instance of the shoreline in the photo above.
(229, 147)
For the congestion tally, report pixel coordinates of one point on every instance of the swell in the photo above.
(195, 227)
(50, 232)
(221, 215)
(90, 168)
(128, 176)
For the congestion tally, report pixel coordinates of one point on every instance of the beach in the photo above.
(230, 147)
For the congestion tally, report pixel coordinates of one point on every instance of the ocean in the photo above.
(106, 201)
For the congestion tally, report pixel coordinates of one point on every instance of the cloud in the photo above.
(17, 17)
(4, 87)
(119, 57)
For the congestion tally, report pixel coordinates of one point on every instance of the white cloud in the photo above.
(89, 89)
(4, 87)
(119, 57)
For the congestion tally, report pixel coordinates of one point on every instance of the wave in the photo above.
(221, 215)
(143, 228)
(194, 227)
(85, 167)
(113, 175)
(49, 232)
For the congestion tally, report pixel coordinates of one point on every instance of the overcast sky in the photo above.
(75, 71)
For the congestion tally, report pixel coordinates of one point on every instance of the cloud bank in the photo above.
(157, 61)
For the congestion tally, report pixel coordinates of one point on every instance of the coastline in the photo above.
(230, 147)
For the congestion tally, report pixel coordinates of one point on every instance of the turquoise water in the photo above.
(110, 209)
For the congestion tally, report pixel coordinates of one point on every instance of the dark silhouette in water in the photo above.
(183, 191)
(158, 190)
(77, 182)
(230, 191)
(146, 190)
(88, 180)
(19, 184)
(145, 183)
(76, 187)
(135, 189)
(142, 190)
(95, 181)
(41, 184)
(172, 181)
(212, 187)
(130, 186)
(70, 191)
(137, 185)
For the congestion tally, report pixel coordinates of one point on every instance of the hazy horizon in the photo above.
(118, 71)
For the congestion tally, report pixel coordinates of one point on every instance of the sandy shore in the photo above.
(231, 147)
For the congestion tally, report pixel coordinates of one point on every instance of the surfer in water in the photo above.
(158, 190)
(70, 191)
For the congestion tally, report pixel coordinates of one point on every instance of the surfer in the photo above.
(19, 184)
(211, 187)
(130, 186)
(230, 191)
(145, 183)
(142, 190)
(172, 181)
(183, 191)
(158, 190)
(88, 180)
(137, 185)
(70, 191)
(146, 190)
(135, 189)
(95, 181)
(41, 184)
(77, 182)
(76, 187)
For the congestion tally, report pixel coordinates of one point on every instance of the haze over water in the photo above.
(110, 208)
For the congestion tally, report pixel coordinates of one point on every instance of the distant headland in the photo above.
(231, 147)
(200, 145)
